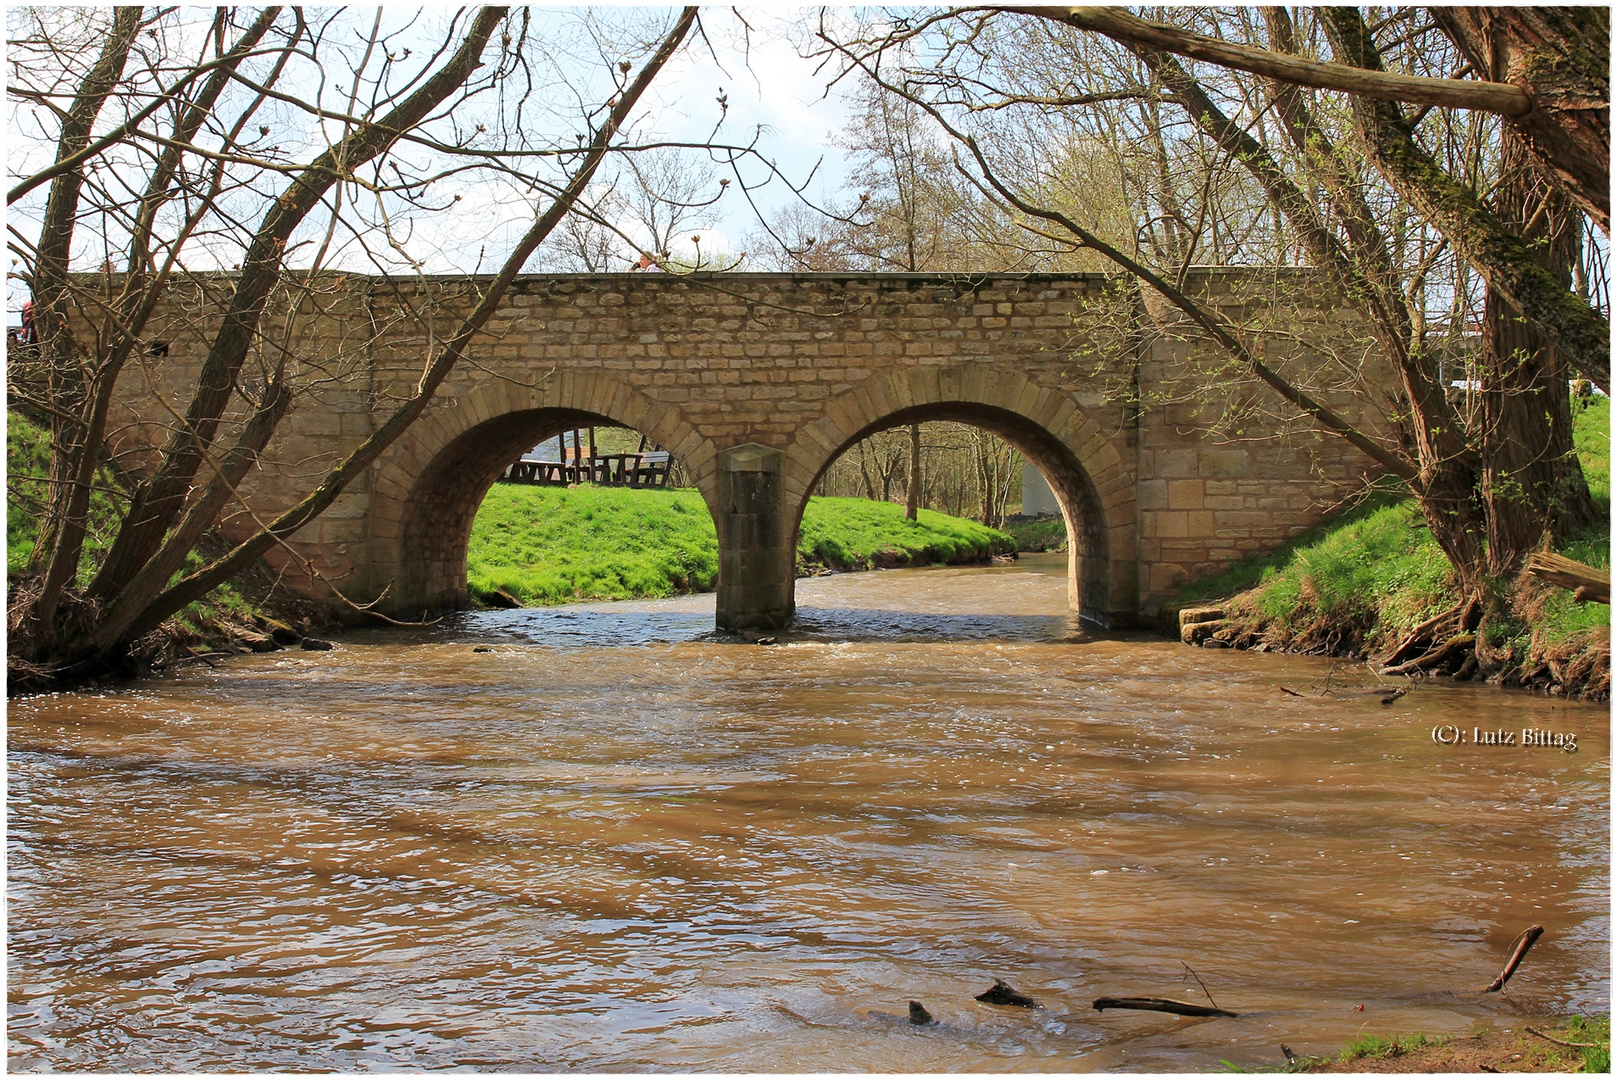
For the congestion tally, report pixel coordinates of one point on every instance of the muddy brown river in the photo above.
(615, 842)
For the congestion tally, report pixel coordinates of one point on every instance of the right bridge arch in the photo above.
(1085, 465)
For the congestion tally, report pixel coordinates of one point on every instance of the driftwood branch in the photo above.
(1416, 638)
(1199, 982)
(1558, 1042)
(1588, 582)
(1523, 942)
(1180, 1008)
(1451, 650)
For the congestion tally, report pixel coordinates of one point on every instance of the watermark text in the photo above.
(1527, 738)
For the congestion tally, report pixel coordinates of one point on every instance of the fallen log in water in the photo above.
(1181, 1008)
(1524, 941)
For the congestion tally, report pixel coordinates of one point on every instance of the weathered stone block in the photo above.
(1224, 463)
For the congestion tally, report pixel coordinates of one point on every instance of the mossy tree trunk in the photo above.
(1532, 484)
(1562, 57)
(1494, 246)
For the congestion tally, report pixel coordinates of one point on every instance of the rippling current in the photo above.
(614, 840)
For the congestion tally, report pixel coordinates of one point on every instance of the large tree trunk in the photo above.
(1362, 270)
(1562, 57)
(1532, 484)
(1493, 246)
(72, 459)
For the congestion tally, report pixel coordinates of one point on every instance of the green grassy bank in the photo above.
(1362, 582)
(547, 545)
(858, 534)
(28, 463)
(1040, 534)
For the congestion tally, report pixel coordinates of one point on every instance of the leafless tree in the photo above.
(659, 198)
(276, 144)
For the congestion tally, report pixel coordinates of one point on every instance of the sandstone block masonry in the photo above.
(1166, 463)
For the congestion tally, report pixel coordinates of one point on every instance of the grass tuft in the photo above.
(1596, 1059)
(1378, 1046)
(1591, 434)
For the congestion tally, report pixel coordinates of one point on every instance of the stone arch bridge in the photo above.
(757, 382)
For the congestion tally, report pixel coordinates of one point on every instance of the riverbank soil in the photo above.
(1515, 1050)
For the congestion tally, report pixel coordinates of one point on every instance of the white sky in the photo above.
(768, 84)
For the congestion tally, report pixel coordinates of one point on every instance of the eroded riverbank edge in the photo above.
(1574, 665)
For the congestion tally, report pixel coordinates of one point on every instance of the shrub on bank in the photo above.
(1038, 534)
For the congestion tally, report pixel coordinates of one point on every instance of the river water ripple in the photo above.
(616, 840)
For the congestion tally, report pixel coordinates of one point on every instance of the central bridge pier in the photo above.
(1166, 465)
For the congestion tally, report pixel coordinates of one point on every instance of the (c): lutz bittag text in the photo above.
(1454, 735)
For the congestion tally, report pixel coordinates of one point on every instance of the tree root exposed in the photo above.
(1452, 644)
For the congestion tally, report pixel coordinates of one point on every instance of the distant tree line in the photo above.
(964, 471)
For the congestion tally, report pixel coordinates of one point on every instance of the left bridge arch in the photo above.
(429, 486)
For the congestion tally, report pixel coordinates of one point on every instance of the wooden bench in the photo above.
(648, 469)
